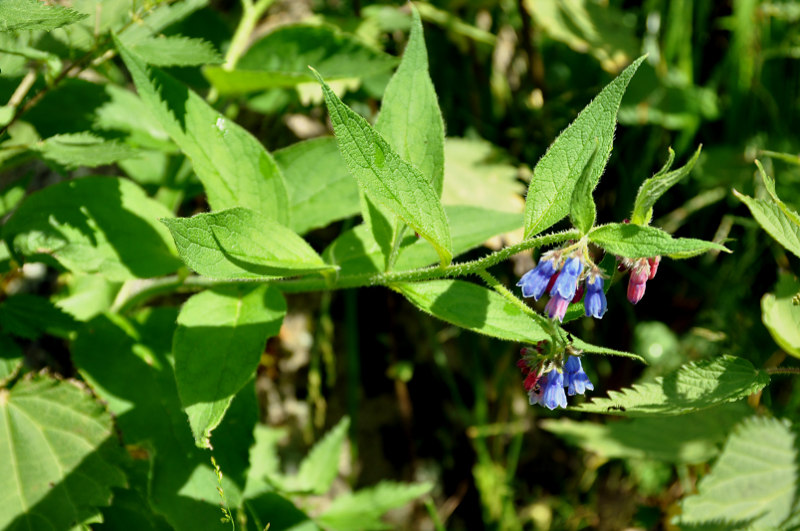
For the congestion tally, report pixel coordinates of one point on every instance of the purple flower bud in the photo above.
(577, 380)
(567, 281)
(595, 301)
(534, 282)
(556, 307)
(554, 396)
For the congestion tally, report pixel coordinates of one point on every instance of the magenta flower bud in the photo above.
(556, 307)
(653, 262)
(635, 290)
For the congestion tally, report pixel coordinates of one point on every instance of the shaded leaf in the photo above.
(320, 188)
(754, 480)
(363, 509)
(11, 358)
(177, 50)
(695, 386)
(588, 138)
(582, 211)
(636, 241)
(83, 149)
(17, 15)
(59, 456)
(388, 179)
(94, 225)
(233, 166)
(282, 57)
(240, 243)
(692, 438)
(217, 347)
(30, 316)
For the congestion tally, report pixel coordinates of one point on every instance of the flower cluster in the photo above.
(559, 273)
(545, 380)
(642, 270)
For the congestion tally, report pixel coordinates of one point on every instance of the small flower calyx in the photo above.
(547, 375)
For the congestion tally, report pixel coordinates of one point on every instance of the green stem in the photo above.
(783, 370)
(147, 288)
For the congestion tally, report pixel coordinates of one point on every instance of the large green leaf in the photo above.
(356, 252)
(233, 166)
(386, 178)
(636, 241)
(138, 385)
(691, 438)
(363, 509)
(240, 243)
(59, 456)
(781, 315)
(774, 216)
(281, 59)
(473, 307)
(320, 188)
(30, 316)
(17, 15)
(217, 347)
(410, 119)
(656, 186)
(583, 146)
(695, 386)
(94, 225)
(753, 484)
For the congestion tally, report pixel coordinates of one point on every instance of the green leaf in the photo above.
(159, 17)
(472, 307)
(690, 439)
(637, 241)
(233, 166)
(753, 484)
(657, 185)
(319, 468)
(356, 252)
(476, 173)
(272, 511)
(59, 458)
(781, 316)
(94, 225)
(83, 149)
(139, 388)
(281, 59)
(177, 50)
(218, 345)
(582, 211)
(780, 221)
(557, 172)
(362, 510)
(17, 15)
(320, 188)
(85, 296)
(30, 316)
(239, 243)
(388, 179)
(11, 358)
(695, 386)
(410, 119)
(264, 461)
(124, 114)
(588, 348)
(12, 194)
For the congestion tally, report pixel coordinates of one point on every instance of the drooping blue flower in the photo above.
(567, 281)
(595, 300)
(535, 281)
(553, 395)
(577, 380)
